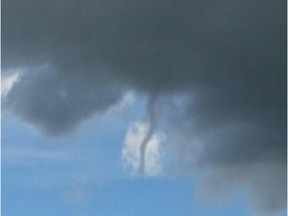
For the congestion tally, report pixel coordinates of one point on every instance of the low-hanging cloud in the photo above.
(228, 58)
(232, 156)
(54, 104)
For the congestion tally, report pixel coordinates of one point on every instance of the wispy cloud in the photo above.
(131, 150)
(27, 155)
(8, 81)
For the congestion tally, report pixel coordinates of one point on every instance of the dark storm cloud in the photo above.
(54, 104)
(231, 55)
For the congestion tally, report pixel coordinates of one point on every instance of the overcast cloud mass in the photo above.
(227, 58)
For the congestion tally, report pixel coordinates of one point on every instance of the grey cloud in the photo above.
(236, 150)
(190, 42)
(257, 178)
(57, 106)
(229, 55)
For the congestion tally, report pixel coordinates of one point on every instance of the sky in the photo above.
(137, 107)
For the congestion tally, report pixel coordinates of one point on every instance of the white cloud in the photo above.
(131, 149)
(8, 81)
(127, 100)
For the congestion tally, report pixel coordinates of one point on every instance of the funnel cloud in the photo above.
(150, 132)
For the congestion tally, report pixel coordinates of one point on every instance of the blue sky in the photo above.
(83, 175)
